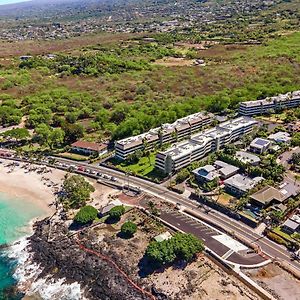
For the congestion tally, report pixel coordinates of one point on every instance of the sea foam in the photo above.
(27, 274)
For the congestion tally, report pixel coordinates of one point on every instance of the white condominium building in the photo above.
(289, 100)
(167, 133)
(199, 145)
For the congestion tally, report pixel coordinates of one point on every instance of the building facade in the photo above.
(202, 143)
(267, 105)
(166, 133)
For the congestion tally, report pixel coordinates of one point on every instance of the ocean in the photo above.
(15, 216)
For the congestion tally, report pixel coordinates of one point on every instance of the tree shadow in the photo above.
(75, 226)
(148, 267)
(111, 220)
(124, 236)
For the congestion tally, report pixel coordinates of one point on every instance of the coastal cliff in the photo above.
(63, 258)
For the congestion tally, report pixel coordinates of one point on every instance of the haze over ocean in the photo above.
(2, 2)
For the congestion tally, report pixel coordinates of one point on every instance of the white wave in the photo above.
(27, 273)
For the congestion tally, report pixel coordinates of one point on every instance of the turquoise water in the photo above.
(15, 215)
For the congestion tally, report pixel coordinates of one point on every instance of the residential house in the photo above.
(224, 169)
(266, 196)
(88, 148)
(206, 173)
(273, 196)
(290, 226)
(239, 185)
(247, 158)
(280, 137)
(260, 145)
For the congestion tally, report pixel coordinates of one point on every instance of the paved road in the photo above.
(218, 219)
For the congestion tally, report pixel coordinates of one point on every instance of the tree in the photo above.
(129, 229)
(182, 175)
(73, 132)
(76, 191)
(180, 246)
(18, 134)
(116, 212)
(42, 134)
(56, 137)
(86, 214)
(186, 246)
(296, 139)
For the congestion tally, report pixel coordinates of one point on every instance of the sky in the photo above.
(10, 1)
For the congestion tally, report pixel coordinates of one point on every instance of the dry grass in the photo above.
(18, 48)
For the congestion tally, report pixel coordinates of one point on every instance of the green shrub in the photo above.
(116, 212)
(180, 246)
(86, 214)
(129, 228)
(276, 238)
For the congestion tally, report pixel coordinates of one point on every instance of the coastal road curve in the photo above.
(218, 219)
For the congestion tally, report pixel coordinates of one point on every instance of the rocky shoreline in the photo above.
(62, 257)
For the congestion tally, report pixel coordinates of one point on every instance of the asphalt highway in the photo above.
(218, 219)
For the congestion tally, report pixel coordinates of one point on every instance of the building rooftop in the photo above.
(202, 138)
(163, 237)
(110, 205)
(289, 188)
(89, 146)
(225, 169)
(280, 136)
(260, 143)
(182, 149)
(247, 158)
(272, 100)
(243, 183)
(291, 224)
(237, 123)
(153, 134)
(207, 172)
(267, 194)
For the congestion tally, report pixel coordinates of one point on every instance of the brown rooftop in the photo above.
(89, 146)
(267, 194)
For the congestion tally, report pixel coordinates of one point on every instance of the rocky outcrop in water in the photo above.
(61, 257)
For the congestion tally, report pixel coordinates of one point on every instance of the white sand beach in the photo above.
(34, 185)
(39, 184)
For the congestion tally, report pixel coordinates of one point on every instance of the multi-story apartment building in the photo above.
(289, 100)
(167, 133)
(199, 145)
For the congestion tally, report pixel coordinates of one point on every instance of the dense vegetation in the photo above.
(76, 191)
(86, 214)
(180, 246)
(111, 92)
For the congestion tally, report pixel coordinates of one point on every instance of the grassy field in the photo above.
(73, 156)
(144, 167)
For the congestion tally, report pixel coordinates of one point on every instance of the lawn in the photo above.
(225, 199)
(283, 234)
(144, 167)
(73, 156)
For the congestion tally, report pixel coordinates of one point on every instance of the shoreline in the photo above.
(34, 187)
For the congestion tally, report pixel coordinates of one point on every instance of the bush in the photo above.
(276, 238)
(86, 214)
(116, 212)
(129, 228)
(180, 246)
